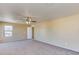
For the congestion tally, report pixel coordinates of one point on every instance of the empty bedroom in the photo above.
(39, 28)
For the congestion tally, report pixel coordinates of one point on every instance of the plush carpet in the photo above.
(32, 47)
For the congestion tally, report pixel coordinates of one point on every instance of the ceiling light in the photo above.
(27, 22)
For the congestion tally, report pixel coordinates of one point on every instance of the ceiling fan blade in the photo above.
(33, 21)
(26, 18)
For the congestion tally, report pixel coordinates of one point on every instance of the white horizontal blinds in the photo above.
(8, 31)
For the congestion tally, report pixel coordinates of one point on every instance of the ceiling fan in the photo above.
(29, 21)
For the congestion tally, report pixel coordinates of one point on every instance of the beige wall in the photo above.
(63, 32)
(19, 32)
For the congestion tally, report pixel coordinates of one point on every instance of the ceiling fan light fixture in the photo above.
(30, 19)
(28, 22)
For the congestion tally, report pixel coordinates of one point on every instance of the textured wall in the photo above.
(19, 32)
(63, 32)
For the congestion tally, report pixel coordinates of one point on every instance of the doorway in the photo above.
(30, 32)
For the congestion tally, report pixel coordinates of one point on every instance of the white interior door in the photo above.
(29, 32)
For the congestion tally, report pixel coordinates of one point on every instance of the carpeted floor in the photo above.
(32, 47)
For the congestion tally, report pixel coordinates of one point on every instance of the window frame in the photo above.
(8, 30)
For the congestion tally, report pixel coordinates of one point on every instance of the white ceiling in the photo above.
(44, 11)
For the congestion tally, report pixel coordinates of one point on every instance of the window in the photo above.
(8, 31)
